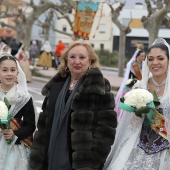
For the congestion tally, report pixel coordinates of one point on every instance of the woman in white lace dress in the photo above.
(137, 146)
(15, 156)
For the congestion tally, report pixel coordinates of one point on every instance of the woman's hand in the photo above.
(8, 134)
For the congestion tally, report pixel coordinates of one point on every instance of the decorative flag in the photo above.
(86, 11)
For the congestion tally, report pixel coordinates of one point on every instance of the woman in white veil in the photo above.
(13, 86)
(45, 59)
(137, 146)
(121, 90)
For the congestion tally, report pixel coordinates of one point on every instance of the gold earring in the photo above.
(67, 69)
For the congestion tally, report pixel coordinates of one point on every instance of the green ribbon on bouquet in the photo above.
(148, 109)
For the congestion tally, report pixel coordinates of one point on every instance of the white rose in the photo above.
(129, 81)
(138, 98)
(3, 110)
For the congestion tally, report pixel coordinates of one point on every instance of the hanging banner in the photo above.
(86, 11)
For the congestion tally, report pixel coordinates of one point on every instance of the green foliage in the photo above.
(7, 103)
(108, 59)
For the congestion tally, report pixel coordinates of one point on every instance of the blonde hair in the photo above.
(140, 46)
(92, 55)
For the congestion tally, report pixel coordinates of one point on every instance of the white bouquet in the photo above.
(138, 98)
(140, 101)
(5, 116)
(3, 110)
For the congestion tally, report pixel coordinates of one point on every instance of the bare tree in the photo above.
(24, 20)
(124, 30)
(156, 17)
(46, 24)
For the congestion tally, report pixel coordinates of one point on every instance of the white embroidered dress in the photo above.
(15, 157)
(125, 154)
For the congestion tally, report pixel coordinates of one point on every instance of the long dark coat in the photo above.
(93, 114)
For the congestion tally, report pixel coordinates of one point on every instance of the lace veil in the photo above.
(126, 77)
(129, 126)
(18, 95)
(165, 99)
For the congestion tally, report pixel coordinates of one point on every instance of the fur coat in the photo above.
(92, 113)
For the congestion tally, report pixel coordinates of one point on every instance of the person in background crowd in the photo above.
(59, 48)
(77, 125)
(14, 47)
(136, 65)
(24, 61)
(1, 43)
(137, 57)
(16, 154)
(34, 52)
(139, 145)
(5, 48)
(45, 59)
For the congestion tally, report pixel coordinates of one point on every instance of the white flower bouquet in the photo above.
(3, 110)
(138, 98)
(129, 83)
(139, 101)
(5, 116)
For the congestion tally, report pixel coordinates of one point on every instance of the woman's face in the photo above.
(157, 62)
(78, 60)
(141, 57)
(8, 73)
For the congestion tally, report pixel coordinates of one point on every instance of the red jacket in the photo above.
(60, 47)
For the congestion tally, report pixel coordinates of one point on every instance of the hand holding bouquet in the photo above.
(140, 101)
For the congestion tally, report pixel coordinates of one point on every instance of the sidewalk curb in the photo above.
(41, 79)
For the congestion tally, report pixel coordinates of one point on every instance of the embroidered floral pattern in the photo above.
(150, 141)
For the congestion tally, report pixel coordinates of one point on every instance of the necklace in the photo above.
(158, 85)
(4, 90)
(72, 84)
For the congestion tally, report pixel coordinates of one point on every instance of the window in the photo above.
(102, 29)
(126, 21)
(102, 46)
(64, 28)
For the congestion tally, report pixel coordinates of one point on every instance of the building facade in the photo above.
(105, 34)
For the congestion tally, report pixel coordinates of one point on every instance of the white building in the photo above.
(107, 35)
(101, 36)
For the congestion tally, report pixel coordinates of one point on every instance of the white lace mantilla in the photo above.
(13, 157)
(17, 98)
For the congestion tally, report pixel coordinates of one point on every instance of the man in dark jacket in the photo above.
(14, 47)
(34, 52)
